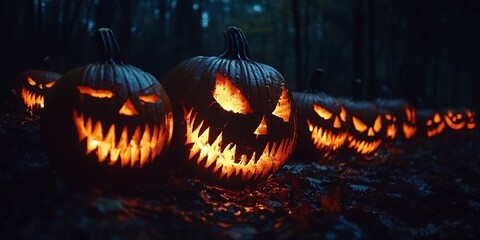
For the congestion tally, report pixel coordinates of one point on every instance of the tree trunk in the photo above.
(358, 50)
(297, 44)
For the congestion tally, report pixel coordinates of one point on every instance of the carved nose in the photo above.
(370, 132)
(336, 123)
(128, 109)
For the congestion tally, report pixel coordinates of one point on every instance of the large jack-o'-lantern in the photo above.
(107, 118)
(235, 118)
(430, 123)
(322, 126)
(365, 126)
(404, 113)
(32, 85)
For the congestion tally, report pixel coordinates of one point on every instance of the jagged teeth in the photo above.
(224, 162)
(363, 147)
(324, 139)
(139, 148)
(31, 99)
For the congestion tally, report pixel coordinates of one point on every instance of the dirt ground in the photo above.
(417, 189)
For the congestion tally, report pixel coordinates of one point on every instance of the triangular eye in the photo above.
(377, 126)
(343, 114)
(282, 110)
(50, 84)
(152, 98)
(436, 118)
(98, 93)
(30, 81)
(229, 97)
(359, 125)
(322, 112)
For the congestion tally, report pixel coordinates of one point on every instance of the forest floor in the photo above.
(418, 189)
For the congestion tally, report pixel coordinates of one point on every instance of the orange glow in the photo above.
(324, 139)
(471, 124)
(343, 114)
(222, 155)
(139, 148)
(229, 96)
(30, 81)
(128, 109)
(450, 120)
(359, 125)
(377, 126)
(31, 100)
(50, 84)
(363, 147)
(152, 98)
(262, 128)
(283, 109)
(98, 93)
(431, 132)
(391, 132)
(437, 118)
(409, 131)
(322, 112)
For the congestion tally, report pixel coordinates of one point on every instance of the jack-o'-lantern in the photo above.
(107, 118)
(235, 118)
(31, 87)
(391, 125)
(430, 123)
(365, 126)
(456, 119)
(405, 115)
(471, 121)
(322, 126)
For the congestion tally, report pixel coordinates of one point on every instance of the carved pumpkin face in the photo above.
(33, 86)
(107, 116)
(431, 123)
(365, 126)
(390, 125)
(471, 122)
(405, 114)
(322, 123)
(455, 119)
(237, 121)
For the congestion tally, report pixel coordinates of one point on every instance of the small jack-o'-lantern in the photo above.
(471, 121)
(235, 118)
(31, 87)
(456, 119)
(322, 124)
(430, 123)
(405, 116)
(107, 118)
(365, 126)
(391, 125)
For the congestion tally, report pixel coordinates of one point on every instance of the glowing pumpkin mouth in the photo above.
(436, 131)
(139, 148)
(226, 159)
(363, 147)
(325, 139)
(31, 99)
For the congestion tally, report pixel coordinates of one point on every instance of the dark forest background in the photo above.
(425, 51)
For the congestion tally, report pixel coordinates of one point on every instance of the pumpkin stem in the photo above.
(107, 46)
(236, 45)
